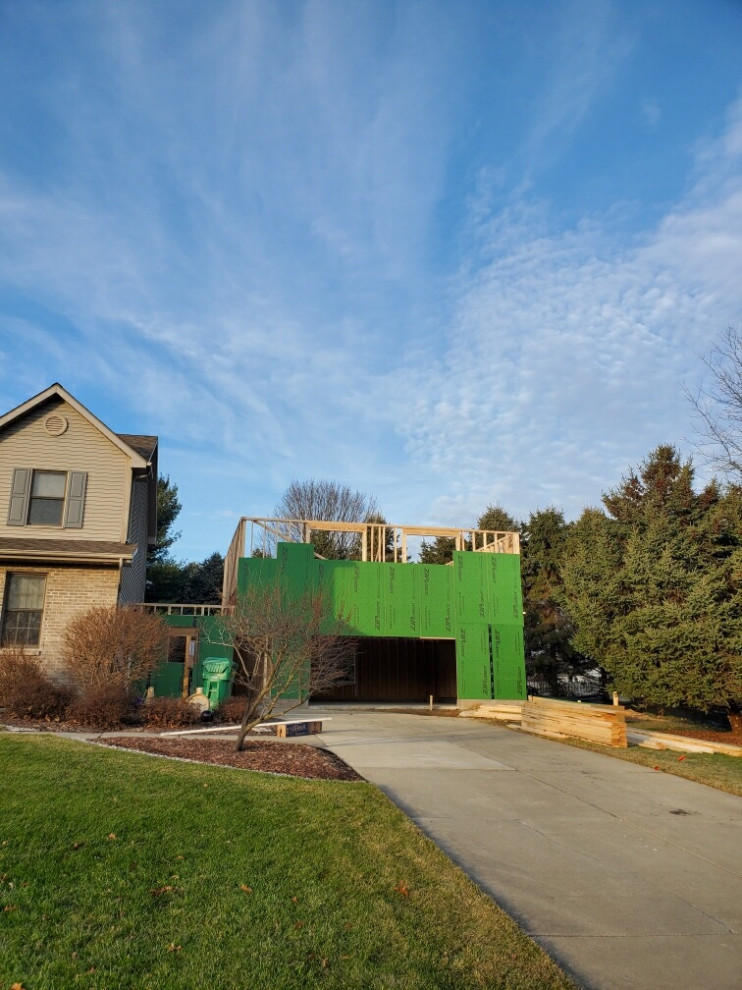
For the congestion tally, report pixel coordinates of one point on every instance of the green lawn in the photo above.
(119, 871)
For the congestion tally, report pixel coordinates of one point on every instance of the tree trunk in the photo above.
(735, 718)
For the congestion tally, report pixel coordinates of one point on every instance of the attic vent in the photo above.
(55, 425)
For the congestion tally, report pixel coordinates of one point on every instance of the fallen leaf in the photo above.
(17, 986)
(159, 891)
(174, 948)
(681, 758)
(111, 835)
(247, 890)
(294, 900)
(402, 889)
(655, 768)
(91, 970)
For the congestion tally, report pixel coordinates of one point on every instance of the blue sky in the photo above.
(448, 253)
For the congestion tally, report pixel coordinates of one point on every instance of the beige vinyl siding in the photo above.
(26, 444)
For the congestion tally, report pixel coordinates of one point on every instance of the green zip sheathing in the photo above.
(167, 679)
(476, 601)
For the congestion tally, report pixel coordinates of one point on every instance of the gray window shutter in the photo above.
(19, 495)
(73, 512)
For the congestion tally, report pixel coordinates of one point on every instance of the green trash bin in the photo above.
(218, 677)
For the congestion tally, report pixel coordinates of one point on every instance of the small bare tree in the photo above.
(718, 405)
(107, 645)
(286, 648)
(327, 501)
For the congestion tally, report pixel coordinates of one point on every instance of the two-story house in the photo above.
(78, 506)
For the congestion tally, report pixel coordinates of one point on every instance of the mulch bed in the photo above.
(291, 759)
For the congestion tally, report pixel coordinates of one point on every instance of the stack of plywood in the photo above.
(604, 724)
(500, 711)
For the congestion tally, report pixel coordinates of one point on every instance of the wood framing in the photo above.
(374, 538)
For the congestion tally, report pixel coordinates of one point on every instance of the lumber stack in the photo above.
(500, 711)
(605, 724)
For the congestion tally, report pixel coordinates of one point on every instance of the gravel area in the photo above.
(291, 759)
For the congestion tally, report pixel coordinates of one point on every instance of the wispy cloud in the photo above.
(568, 349)
(240, 227)
(589, 45)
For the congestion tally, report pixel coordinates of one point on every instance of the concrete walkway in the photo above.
(628, 877)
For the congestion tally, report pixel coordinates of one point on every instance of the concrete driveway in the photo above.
(628, 877)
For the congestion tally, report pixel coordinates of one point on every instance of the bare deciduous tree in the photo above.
(331, 502)
(718, 404)
(286, 648)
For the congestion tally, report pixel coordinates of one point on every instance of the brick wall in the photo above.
(69, 591)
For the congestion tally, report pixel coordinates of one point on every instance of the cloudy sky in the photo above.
(449, 253)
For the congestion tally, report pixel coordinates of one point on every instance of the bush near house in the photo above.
(26, 691)
(108, 655)
(112, 645)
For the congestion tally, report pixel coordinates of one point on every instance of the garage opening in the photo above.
(397, 669)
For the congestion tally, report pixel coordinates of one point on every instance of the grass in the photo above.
(122, 871)
(715, 770)
(674, 722)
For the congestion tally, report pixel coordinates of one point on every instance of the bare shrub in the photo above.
(170, 713)
(26, 691)
(110, 645)
(231, 710)
(103, 706)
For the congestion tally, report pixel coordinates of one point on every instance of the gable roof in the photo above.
(144, 445)
(140, 449)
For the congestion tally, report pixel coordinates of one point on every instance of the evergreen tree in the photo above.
(440, 551)
(191, 583)
(498, 519)
(168, 507)
(547, 630)
(654, 588)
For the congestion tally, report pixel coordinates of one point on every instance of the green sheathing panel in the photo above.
(436, 604)
(474, 678)
(503, 585)
(476, 601)
(507, 657)
(168, 678)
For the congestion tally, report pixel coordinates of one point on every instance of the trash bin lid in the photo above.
(217, 667)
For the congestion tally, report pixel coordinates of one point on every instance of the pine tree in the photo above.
(654, 588)
(547, 630)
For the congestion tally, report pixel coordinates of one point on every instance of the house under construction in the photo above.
(453, 632)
